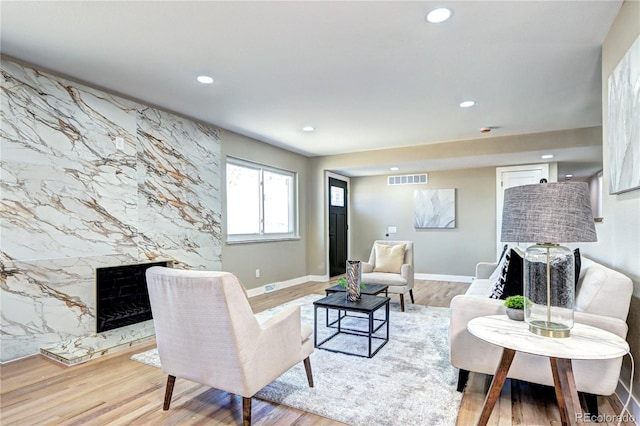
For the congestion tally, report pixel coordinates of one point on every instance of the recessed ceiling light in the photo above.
(467, 104)
(568, 176)
(394, 169)
(308, 129)
(438, 15)
(205, 79)
(546, 156)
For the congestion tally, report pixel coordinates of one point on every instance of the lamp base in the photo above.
(549, 329)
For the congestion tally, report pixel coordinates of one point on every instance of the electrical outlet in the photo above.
(269, 287)
(257, 273)
(119, 143)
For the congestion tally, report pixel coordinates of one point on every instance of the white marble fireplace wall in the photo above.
(72, 202)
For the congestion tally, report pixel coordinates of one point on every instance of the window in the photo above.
(337, 196)
(261, 202)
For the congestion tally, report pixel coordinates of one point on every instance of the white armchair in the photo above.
(381, 269)
(207, 333)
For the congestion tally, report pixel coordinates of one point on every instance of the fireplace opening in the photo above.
(122, 295)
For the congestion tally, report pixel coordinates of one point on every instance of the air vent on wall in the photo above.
(407, 179)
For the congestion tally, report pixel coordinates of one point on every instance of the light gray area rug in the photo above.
(409, 382)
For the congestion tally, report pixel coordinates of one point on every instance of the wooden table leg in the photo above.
(496, 385)
(558, 388)
(566, 391)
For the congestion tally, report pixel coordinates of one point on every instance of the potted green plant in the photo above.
(515, 307)
(343, 282)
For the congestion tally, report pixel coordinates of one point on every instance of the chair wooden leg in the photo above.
(402, 302)
(171, 380)
(246, 411)
(411, 294)
(592, 403)
(307, 368)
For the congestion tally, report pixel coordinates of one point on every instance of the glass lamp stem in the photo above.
(548, 286)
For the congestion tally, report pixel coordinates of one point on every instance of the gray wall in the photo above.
(277, 261)
(618, 243)
(376, 205)
(475, 234)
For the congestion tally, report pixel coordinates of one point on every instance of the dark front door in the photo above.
(337, 226)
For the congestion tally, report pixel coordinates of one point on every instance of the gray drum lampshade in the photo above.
(548, 213)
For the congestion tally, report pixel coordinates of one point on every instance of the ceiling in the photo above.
(365, 75)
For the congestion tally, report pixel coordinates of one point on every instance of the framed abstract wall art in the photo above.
(624, 124)
(434, 208)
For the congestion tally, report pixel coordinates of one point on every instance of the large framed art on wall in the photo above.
(624, 124)
(435, 208)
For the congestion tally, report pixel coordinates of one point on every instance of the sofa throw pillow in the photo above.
(509, 281)
(389, 258)
(500, 276)
(578, 264)
(504, 251)
(495, 275)
(514, 282)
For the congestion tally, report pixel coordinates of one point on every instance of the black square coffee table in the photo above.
(370, 289)
(367, 305)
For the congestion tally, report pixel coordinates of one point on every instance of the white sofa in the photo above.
(602, 300)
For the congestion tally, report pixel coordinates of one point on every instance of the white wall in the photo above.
(477, 245)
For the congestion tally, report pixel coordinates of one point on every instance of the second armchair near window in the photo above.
(391, 263)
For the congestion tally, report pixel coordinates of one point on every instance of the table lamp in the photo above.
(547, 214)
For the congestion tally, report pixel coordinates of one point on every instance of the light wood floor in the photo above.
(114, 390)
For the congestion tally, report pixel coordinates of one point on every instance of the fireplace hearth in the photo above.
(122, 295)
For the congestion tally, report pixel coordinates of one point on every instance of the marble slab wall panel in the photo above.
(66, 190)
(48, 301)
(70, 201)
(179, 197)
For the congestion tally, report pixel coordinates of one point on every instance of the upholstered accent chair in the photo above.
(391, 263)
(207, 333)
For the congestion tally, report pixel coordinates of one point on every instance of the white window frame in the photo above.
(293, 233)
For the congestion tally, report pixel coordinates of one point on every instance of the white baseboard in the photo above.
(268, 288)
(622, 392)
(435, 277)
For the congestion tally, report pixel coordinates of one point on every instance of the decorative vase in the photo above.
(515, 314)
(354, 275)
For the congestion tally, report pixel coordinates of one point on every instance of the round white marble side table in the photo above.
(585, 342)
